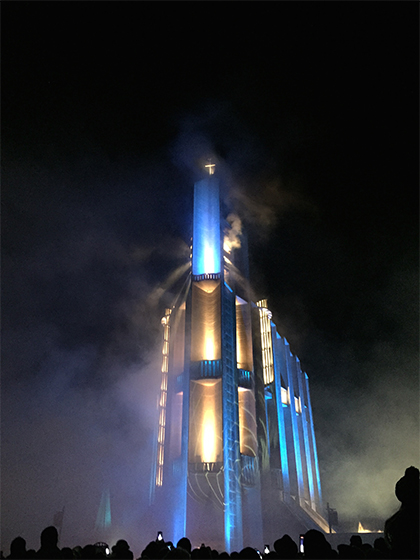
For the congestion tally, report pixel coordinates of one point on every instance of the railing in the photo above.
(248, 470)
(206, 369)
(205, 467)
(244, 379)
(206, 276)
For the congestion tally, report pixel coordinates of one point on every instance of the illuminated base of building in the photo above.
(254, 424)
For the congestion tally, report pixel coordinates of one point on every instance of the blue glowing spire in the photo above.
(206, 231)
(103, 519)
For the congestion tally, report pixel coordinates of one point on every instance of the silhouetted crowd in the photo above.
(400, 540)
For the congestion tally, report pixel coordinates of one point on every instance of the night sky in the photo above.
(311, 110)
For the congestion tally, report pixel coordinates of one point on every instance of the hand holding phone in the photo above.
(301, 543)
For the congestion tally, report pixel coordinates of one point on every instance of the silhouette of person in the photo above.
(317, 546)
(49, 540)
(184, 543)
(121, 551)
(249, 552)
(88, 552)
(402, 529)
(350, 551)
(286, 547)
(203, 552)
(18, 548)
(356, 541)
(177, 552)
(381, 546)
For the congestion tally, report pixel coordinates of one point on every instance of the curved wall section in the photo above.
(205, 321)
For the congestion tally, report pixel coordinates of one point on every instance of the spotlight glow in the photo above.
(208, 451)
(209, 353)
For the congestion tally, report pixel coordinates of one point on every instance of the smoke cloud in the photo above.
(81, 357)
(93, 255)
(365, 401)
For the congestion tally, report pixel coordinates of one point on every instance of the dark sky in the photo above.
(312, 111)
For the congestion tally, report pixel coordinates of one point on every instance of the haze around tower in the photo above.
(315, 135)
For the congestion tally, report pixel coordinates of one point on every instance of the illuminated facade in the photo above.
(235, 454)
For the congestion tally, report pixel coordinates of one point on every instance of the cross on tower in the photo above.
(211, 167)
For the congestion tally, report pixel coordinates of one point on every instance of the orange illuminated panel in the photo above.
(243, 336)
(162, 399)
(205, 321)
(266, 342)
(159, 476)
(205, 437)
(285, 396)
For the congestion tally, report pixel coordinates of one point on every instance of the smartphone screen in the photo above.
(266, 549)
(301, 546)
(159, 536)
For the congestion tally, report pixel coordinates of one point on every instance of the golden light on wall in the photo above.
(163, 397)
(205, 321)
(208, 442)
(209, 348)
(247, 422)
(285, 396)
(266, 342)
(205, 439)
(243, 335)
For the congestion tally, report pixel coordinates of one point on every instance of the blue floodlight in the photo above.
(206, 234)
